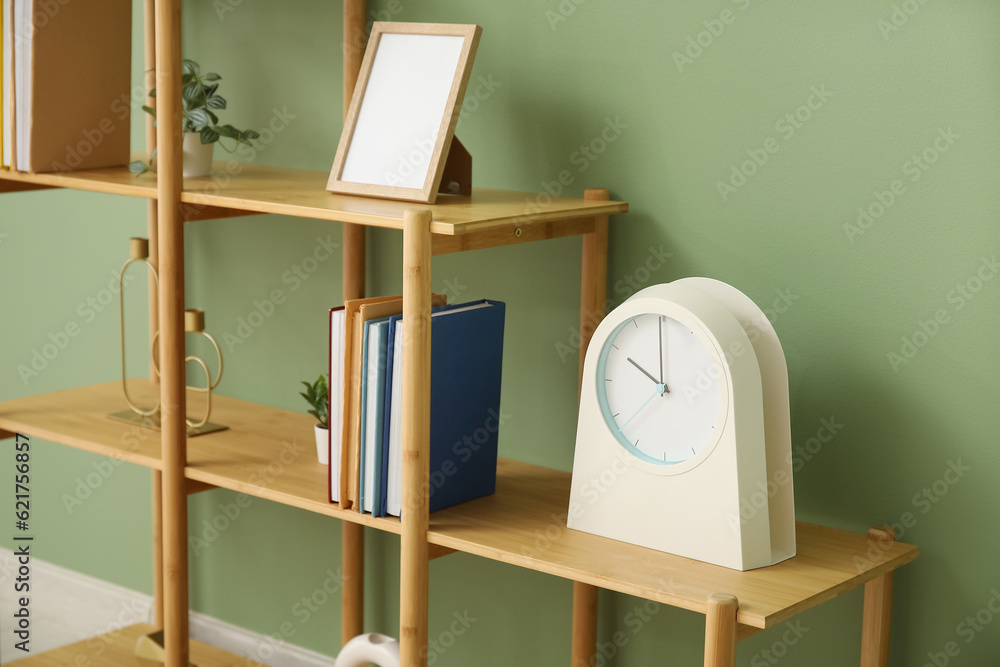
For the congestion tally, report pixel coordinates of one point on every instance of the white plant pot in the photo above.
(322, 444)
(197, 156)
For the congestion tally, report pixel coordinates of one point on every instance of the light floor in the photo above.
(66, 607)
(56, 612)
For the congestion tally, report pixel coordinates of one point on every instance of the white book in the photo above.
(24, 30)
(337, 413)
(17, 35)
(8, 72)
(29, 30)
(337, 330)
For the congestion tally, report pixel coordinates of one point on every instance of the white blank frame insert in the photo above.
(401, 122)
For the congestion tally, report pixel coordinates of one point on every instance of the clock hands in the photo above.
(655, 394)
(659, 331)
(655, 381)
(660, 390)
(642, 370)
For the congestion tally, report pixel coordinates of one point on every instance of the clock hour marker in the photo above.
(615, 416)
(616, 347)
(635, 323)
(637, 442)
(692, 451)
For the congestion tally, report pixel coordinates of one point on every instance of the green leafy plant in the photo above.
(199, 102)
(317, 395)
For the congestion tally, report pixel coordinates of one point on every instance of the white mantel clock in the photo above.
(683, 443)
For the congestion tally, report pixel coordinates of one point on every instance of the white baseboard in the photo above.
(249, 644)
(68, 606)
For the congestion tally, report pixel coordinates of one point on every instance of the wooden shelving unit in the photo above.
(112, 181)
(503, 527)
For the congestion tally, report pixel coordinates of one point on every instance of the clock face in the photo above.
(659, 390)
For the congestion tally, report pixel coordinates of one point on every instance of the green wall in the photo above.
(901, 92)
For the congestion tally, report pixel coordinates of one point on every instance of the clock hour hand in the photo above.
(643, 371)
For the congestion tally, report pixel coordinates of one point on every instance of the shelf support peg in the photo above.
(877, 614)
(720, 630)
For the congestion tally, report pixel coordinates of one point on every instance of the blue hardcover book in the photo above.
(393, 450)
(377, 347)
(466, 366)
(383, 471)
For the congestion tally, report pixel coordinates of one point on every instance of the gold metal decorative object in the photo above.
(138, 252)
(150, 651)
(194, 322)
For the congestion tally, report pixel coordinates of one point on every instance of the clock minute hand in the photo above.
(659, 331)
(643, 371)
(655, 394)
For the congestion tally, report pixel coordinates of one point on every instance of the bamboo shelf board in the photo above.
(117, 650)
(112, 180)
(298, 192)
(78, 418)
(266, 452)
(525, 524)
(302, 193)
(270, 453)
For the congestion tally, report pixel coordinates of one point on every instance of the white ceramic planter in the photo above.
(197, 156)
(322, 444)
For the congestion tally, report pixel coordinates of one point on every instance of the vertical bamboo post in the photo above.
(157, 490)
(877, 615)
(720, 631)
(593, 275)
(354, 51)
(593, 293)
(416, 436)
(149, 67)
(149, 44)
(354, 46)
(354, 235)
(353, 571)
(584, 624)
(352, 546)
(352, 534)
(171, 314)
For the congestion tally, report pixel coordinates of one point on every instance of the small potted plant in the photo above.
(199, 102)
(317, 395)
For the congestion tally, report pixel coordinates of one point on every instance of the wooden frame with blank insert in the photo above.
(374, 111)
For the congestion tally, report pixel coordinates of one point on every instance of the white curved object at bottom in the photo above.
(367, 648)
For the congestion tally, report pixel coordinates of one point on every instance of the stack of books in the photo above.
(65, 92)
(366, 356)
